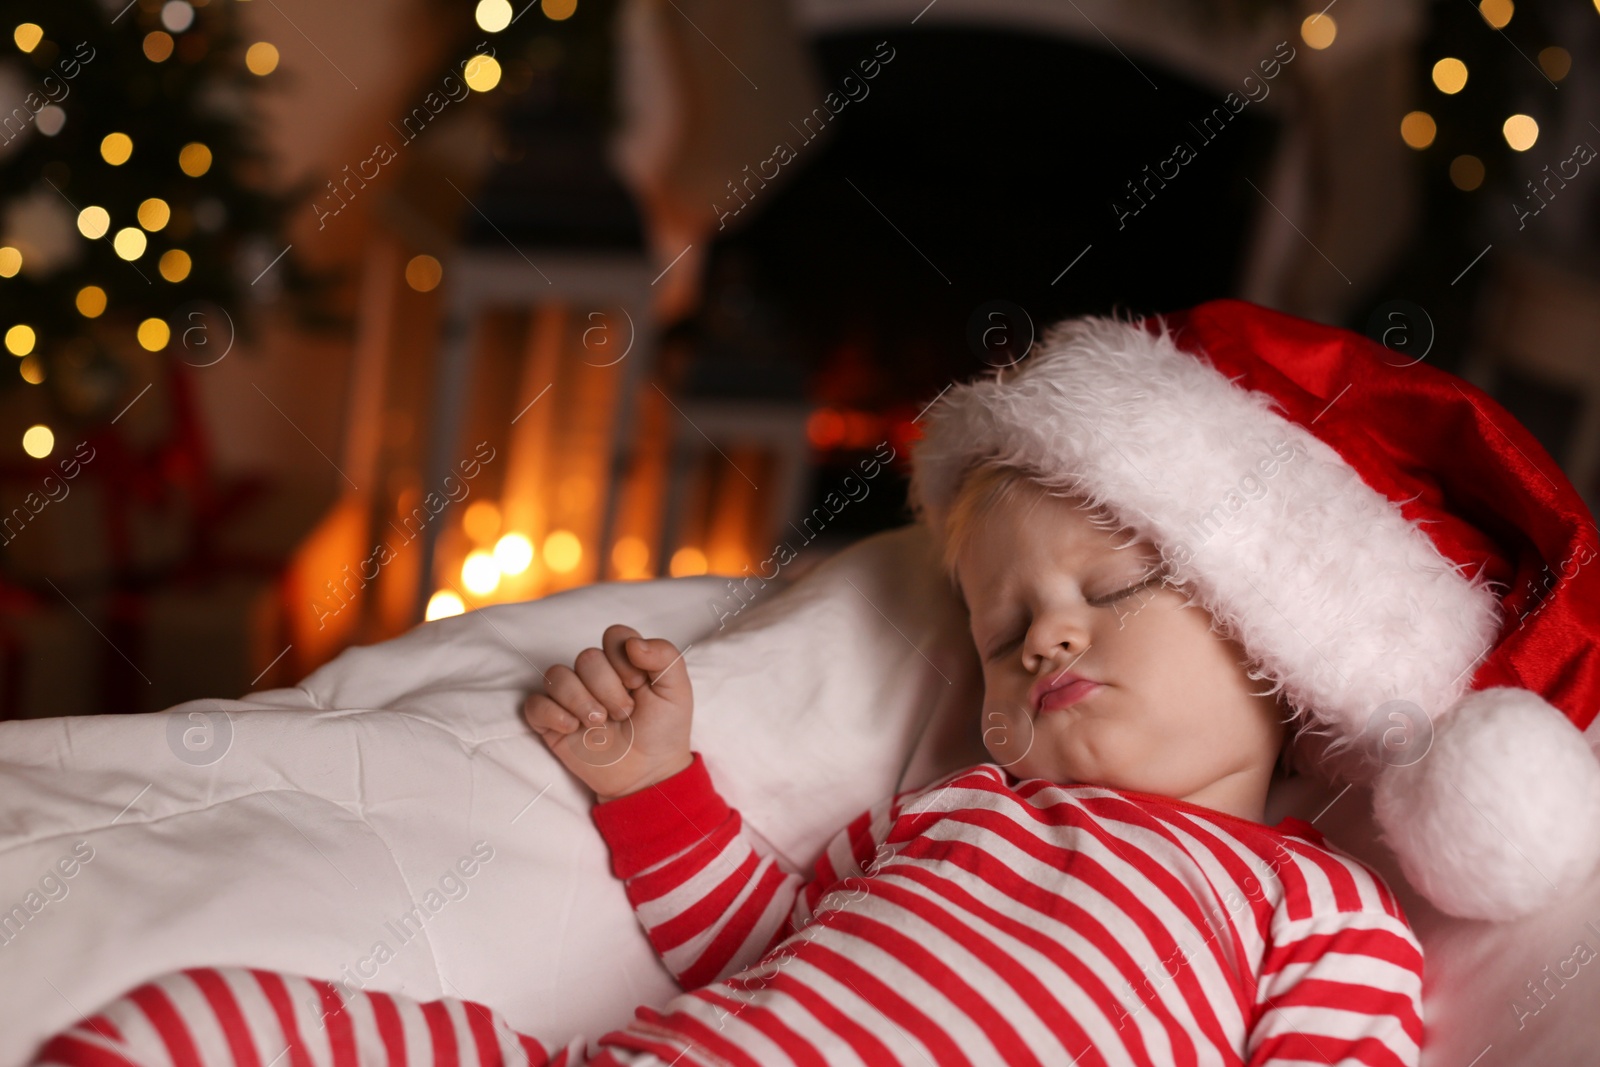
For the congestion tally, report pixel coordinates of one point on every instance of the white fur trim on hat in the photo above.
(1501, 815)
(1345, 604)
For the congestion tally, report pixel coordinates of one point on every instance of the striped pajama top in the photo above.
(985, 919)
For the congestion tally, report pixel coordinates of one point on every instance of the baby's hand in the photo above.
(619, 717)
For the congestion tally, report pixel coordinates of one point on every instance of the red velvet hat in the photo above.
(1387, 542)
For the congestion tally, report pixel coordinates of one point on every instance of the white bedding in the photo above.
(295, 828)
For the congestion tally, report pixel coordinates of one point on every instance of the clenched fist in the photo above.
(619, 717)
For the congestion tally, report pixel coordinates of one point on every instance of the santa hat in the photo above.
(1385, 541)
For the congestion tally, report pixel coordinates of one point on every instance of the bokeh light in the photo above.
(443, 604)
(38, 441)
(194, 159)
(154, 334)
(1318, 30)
(1556, 61)
(20, 340)
(261, 58)
(28, 35)
(174, 265)
(94, 221)
(31, 369)
(482, 73)
(562, 551)
(115, 148)
(1418, 129)
(158, 46)
(91, 301)
(493, 15)
(154, 214)
(479, 573)
(1466, 173)
(177, 15)
(513, 553)
(129, 242)
(1496, 12)
(558, 10)
(1521, 132)
(481, 521)
(423, 273)
(630, 556)
(687, 561)
(10, 262)
(1450, 75)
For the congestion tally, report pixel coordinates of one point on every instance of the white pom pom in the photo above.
(1502, 815)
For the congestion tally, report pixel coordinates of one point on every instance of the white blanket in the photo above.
(393, 823)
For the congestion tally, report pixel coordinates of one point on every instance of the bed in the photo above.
(327, 829)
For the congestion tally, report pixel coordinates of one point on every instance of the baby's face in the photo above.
(1173, 715)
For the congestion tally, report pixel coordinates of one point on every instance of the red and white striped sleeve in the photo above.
(1340, 987)
(710, 897)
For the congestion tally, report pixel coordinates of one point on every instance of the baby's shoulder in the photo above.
(1320, 879)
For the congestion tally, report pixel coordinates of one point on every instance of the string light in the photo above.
(158, 46)
(31, 369)
(129, 243)
(94, 221)
(1418, 129)
(20, 340)
(629, 556)
(28, 35)
(1450, 75)
(442, 605)
(562, 551)
(479, 573)
(154, 214)
(10, 262)
(513, 553)
(558, 10)
(115, 148)
(493, 15)
(1520, 132)
(38, 441)
(482, 73)
(1496, 12)
(687, 561)
(194, 159)
(177, 15)
(91, 301)
(154, 335)
(423, 273)
(481, 521)
(1319, 30)
(1556, 61)
(174, 265)
(261, 58)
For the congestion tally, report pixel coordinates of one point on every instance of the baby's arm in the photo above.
(1340, 988)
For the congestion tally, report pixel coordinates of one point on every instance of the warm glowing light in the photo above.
(1466, 173)
(93, 222)
(1450, 75)
(513, 553)
(482, 73)
(423, 273)
(1496, 12)
(154, 335)
(28, 35)
(130, 242)
(558, 10)
(177, 15)
(115, 148)
(91, 301)
(31, 369)
(1521, 132)
(687, 561)
(194, 159)
(1418, 129)
(630, 555)
(174, 265)
(38, 441)
(482, 521)
(493, 15)
(1318, 31)
(154, 214)
(442, 605)
(479, 573)
(825, 428)
(562, 551)
(158, 46)
(1556, 61)
(10, 262)
(20, 340)
(261, 58)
